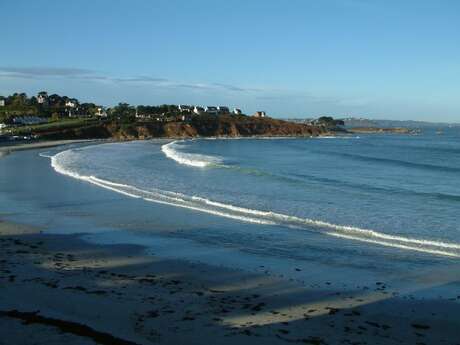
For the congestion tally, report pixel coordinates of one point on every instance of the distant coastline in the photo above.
(370, 130)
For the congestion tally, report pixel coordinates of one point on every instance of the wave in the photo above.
(192, 159)
(379, 189)
(201, 204)
(337, 137)
(45, 154)
(392, 161)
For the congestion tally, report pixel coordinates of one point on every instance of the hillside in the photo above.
(198, 126)
(370, 130)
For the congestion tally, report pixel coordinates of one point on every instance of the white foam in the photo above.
(45, 155)
(337, 137)
(196, 160)
(198, 203)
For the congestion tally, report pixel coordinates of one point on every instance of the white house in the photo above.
(259, 114)
(223, 109)
(42, 98)
(70, 104)
(212, 110)
(2, 102)
(101, 112)
(237, 111)
(198, 110)
(3, 125)
(144, 116)
(185, 108)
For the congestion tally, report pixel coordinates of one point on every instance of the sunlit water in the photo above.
(379, 202)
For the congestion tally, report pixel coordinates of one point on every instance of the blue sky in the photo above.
(297, 58)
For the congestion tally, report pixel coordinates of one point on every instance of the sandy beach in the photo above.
(59, 289)
(230, 173)
(6, 148)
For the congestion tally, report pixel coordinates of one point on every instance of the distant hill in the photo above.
(361, 122)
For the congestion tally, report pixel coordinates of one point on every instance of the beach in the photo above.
(136, 298)
(230, 173)
(66, 277)
(11, 147)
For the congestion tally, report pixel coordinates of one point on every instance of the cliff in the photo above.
(199, 126)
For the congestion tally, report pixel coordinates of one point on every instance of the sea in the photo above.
(347, 209)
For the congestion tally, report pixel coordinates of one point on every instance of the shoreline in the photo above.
(7, 149)
(121, 291)
(21, 146)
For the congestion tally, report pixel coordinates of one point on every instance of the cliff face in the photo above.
(249, 126)
(204, 126)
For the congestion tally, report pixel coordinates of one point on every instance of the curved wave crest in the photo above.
(198, 203)
(171, 150)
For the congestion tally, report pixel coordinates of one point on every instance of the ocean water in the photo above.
(394, 191)
(380, 203)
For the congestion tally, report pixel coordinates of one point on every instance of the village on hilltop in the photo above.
(20, 110)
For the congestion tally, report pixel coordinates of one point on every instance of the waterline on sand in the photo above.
(201, 204)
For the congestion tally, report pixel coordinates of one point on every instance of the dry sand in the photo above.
(57, 289)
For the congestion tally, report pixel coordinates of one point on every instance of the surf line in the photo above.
(196, 160)
(238, 213)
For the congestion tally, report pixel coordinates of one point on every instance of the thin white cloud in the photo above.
(90, 75)
(33, 72)
(139, 79)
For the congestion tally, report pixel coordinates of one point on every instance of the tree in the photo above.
(124, 111)
(330, 121)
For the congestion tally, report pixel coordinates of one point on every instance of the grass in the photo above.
(53, 126)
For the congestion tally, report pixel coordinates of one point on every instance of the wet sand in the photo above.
(58, 289)
(6, 148)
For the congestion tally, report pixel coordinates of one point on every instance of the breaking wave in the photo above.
(243, 214)
(171, 150)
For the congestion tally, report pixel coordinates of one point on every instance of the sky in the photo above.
(392, 59)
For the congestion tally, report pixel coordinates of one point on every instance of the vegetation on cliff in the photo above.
(43, 105)
(198, 126)
(60, 117)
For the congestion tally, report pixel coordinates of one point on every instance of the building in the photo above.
(223, 109)
(42, 98)
(212, 110)
(71, 103)
(100, 111)
(29, 120)
(2, 102)
(3, 126)
(142, 115)
(185, 108)
(259, 114)
(147, 115)
(198, 110)
(237, 111)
